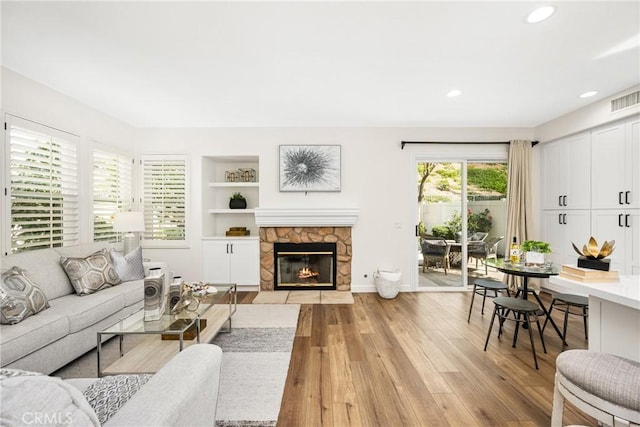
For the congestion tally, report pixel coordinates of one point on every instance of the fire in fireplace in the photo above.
(300, 266)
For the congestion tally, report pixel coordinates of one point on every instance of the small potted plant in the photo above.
(534, 251)
(237, 201)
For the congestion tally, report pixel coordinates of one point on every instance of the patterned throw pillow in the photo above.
(129, 266)
(20, 297)
(107, 395)
(91, 274)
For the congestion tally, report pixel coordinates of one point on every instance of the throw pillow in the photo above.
(90, 274)
(20, 297)
(129, 266)
(107, 395)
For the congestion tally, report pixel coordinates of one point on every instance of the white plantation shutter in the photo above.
(164, 197)
(112, 190)
(43, 186)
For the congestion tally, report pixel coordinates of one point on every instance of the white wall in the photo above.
(376, 178)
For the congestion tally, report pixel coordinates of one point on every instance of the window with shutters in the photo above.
(164, 186)
(43, 186)
(112, 190)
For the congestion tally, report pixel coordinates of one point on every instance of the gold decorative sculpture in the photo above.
(591, 249)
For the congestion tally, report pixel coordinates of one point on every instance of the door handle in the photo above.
(626, 197)
(227, 248)
(620, 198)
(626, 220)
(559, 200)
(620, 220)
(560, 219)
(231, 247)
(564, 219)
(564, 200)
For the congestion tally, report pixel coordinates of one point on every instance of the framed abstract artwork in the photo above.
(310, 168)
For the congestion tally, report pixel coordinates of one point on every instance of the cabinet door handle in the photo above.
(627, 217)
(620, 198)
(227, 248)
(564, 200)
(564, 219)
(626, 197)
(560, 219)
(559, 200)
(620, 220)
(231, 247)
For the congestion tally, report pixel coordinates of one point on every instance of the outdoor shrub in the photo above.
(480, 221)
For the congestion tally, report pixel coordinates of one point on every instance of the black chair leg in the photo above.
(473, 295)
(564, 327)
(484, 297)
(515, 334)
(544, 346)
(584, 320)
(495, 310)
(533, 346)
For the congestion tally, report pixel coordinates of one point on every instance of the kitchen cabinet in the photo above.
(234, 260)
(562, 227)
(565, 173)
(623, 226)
(615, 174)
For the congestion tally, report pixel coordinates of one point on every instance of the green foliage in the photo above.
(442, 231)
(535, 246)
(488, 178)
(237, 196)
(443, 185)
(481, 221)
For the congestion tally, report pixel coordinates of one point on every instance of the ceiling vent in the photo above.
(625, 101)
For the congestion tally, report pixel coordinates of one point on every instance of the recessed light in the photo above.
(588, 94)
(540, 14)
(454, 92)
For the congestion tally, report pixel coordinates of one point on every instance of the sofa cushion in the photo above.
(20, 296)
(107, 395)
(90, 274)
(83, 312)
(132, 291)
(43, 400)
(32, 334)
(44, 268)
(129, 266)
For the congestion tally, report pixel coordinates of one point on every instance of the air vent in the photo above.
(625, 101)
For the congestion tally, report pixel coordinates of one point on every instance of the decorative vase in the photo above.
(238, 204)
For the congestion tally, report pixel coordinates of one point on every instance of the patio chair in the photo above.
(437, 251)
(483, 250)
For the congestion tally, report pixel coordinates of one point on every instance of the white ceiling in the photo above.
(208, 64)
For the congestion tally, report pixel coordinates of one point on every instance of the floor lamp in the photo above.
(129, 223)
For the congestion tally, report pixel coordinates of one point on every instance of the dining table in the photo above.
(527, 271)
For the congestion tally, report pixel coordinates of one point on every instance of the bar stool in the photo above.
(520, 308)
(564, 302)
(486, 285)
(604, 386)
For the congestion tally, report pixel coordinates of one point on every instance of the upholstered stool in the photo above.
(481, 286)
(564, 302)
(523, 311)
(604, 386)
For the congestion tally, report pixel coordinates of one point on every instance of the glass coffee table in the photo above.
(213, 310)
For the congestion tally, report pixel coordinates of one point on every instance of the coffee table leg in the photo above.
(181, 341)
(198, 330)
(99, 350)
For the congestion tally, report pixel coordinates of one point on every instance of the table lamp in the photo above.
(129, 223)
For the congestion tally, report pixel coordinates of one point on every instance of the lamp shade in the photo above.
(128, 222)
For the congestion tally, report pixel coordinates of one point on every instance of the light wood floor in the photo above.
(415, 361)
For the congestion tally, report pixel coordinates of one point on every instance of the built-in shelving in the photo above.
(217, 218)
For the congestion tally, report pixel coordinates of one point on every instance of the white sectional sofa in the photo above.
(50, 339)
(184, 392)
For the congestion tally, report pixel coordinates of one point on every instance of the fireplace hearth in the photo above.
(300, 266)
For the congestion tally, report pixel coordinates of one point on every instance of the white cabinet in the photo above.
(623, 226)
(217, 190)
(565, 173)
(560, 228)
(231, 261)
(615, 158)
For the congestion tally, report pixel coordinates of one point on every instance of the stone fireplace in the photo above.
(294, 226)
(299, 266)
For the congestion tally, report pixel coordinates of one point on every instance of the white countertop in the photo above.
(625, 292)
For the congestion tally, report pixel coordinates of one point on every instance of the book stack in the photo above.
(587, 275)
(237, 231)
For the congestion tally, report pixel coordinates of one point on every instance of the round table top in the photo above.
(525, 270)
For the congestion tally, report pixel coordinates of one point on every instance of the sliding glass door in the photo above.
(461, 207)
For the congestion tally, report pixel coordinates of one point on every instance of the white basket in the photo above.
(387, 283)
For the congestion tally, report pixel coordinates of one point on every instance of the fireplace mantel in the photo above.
(309, 217)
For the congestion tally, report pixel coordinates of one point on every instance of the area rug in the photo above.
(255, 361)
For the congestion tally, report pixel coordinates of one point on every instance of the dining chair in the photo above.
(565, 302)
(480, 250)
(435, 250)
(481, 286)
